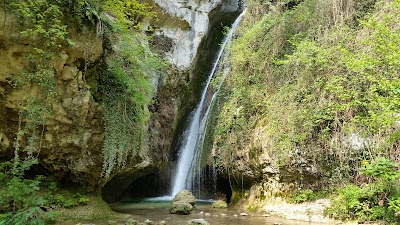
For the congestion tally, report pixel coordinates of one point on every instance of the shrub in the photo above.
(21, 199)
(376, 200)
(304, 196)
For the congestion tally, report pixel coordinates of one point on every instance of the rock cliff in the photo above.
(72, 137)
(200, 16)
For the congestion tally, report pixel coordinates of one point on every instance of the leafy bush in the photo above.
(311, 85)
(21, 199)
(128, 92)
(304, 196)
(376, 200)
(82, 199)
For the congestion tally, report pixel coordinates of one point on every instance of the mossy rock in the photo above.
(96, 209)
(181, 207)
(220, 204)
(185, 196)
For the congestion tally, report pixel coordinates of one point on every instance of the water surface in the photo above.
(157, 210)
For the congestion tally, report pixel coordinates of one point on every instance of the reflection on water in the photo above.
(157, 210)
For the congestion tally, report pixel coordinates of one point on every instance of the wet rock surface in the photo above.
(220, 204)
(183, 203)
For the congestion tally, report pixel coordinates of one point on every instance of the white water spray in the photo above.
(194, 137)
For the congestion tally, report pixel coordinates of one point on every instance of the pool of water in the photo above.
(157, 210)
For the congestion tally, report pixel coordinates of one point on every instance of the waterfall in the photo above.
(191, 151)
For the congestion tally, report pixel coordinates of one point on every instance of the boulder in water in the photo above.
(183, 203)
(181, 207)
(198, 222)
(185, 196)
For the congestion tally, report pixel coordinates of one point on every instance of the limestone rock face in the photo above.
(72, 137)
(197, 14)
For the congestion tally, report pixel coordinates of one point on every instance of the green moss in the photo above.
(96, 209)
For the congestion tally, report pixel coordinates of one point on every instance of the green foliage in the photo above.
(310, 82)
(70, 203)
(382, 170)
(82, 199)
(26, 201)
(376, 200)
(128, 92)
(21, 200)
(129, 13)
(42, 19)
(394, 204)
(304, 196)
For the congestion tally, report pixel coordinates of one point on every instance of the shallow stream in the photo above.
(157, 210)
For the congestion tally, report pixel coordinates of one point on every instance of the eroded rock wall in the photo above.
(197, 14)
(73, 135)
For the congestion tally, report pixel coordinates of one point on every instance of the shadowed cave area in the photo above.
(158, 184)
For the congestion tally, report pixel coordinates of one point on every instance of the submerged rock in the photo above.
(198, 222)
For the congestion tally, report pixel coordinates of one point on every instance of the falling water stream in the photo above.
(190, 153)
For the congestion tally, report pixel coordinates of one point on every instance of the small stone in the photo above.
(162, 222)
(201, 213)
(131, 222)
(243, 214)
(266, 215)
(235, 215)
(207, 214)
(223, 214)
(112, 222)
(148, 222)
(198, 222)
(276, 223)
